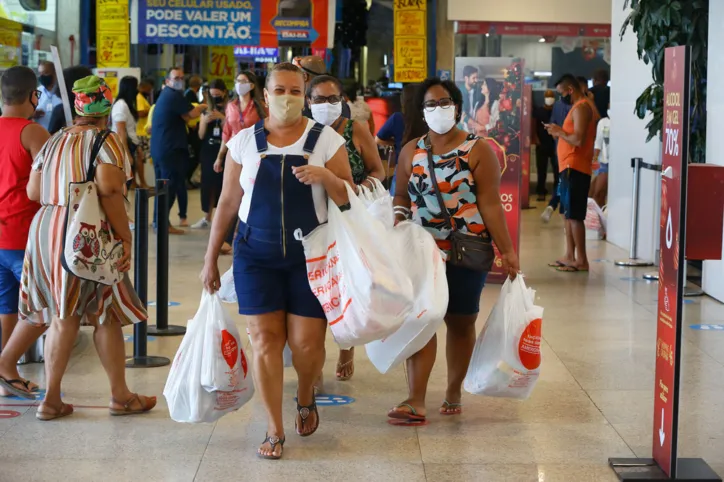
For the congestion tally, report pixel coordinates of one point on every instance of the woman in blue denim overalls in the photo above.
(275, 191)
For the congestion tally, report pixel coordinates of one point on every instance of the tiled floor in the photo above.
(593, 400)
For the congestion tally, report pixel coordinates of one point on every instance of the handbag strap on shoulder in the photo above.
(99, 140)
(435, 186)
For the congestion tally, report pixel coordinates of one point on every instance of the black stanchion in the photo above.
(140, 358)
(162, 327)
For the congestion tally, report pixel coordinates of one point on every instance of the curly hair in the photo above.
(449, 85)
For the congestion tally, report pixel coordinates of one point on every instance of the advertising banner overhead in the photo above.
(265, 23)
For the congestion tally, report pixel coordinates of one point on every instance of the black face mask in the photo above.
(566, 99)
(218, 100)
(46, 80)
(35, 106)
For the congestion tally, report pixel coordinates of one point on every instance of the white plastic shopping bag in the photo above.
(378, 202)
(188, 401)
(287, 351)
(423, 262)
(222, 362)
(506, 360)
(595, 221)
(354, 271)
(227, 290)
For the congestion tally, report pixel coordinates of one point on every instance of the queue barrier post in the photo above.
(140, 358)
(633, 261)
(162, 327)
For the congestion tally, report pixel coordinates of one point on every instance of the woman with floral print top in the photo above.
(468, 176)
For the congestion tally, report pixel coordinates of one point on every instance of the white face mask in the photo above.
(608, 113)
(242, 88)
(440, 120)
(326, 113)
(550, 101)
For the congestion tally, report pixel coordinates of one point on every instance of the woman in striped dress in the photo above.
(52, 296)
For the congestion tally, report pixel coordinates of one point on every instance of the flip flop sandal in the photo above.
(342, 366)
(570, 269)
(35, 389)
(556, 264)
(8, 385)
(273, 441)
(59, 412)
(451, 408)
(304, 412)
(127, 410)
(400, 415)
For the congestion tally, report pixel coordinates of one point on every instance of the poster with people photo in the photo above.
(492, 90)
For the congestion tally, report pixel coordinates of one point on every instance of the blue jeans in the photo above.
(172, 166)
(11, 269)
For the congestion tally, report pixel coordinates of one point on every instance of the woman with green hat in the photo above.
(52, 296)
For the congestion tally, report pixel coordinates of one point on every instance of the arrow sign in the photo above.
(662, 435)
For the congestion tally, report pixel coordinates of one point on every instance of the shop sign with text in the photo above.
(410, 61)
(265, 23)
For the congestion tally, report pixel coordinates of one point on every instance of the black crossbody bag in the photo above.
(468, 250)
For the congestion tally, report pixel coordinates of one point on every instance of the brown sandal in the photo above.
(127, 410)
(58, 412)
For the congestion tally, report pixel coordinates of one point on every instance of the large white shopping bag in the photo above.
(423, 262)
(188, 401)
(506, 360)
(227, 290)
(223, 362)
(355, 273)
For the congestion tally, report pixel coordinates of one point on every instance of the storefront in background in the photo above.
(27, 29)
(549, 49)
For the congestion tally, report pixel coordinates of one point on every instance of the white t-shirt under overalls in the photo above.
(244, 151)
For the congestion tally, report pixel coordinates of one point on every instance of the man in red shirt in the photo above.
(21, 141)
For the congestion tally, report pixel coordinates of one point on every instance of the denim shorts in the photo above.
(266, 283)
(464, 287)
(602, 168)
(11, 269)
(574, 187)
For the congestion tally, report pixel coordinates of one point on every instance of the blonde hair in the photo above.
(283, 67)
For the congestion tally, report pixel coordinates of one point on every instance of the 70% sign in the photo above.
(673, 103)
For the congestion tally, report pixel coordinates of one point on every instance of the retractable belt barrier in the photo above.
(140, 358)
(637, 164)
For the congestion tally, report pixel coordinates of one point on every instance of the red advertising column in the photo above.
(671, 282)
(493, 111)
(665, 465)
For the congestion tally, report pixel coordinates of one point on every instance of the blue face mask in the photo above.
(177, 84)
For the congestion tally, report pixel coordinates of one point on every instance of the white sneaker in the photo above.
(202, 224)
(132, 225)
(547, 213)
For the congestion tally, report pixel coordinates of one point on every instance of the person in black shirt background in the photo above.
(601, 92)
(192, 96)
(545, 148)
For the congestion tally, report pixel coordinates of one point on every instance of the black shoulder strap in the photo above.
(435, 186)
(313, 137)
(99, 140)
(260, 137)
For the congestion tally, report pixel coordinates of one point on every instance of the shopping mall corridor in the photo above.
(594, 399)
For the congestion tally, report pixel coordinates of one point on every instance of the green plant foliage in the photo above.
(659, 24)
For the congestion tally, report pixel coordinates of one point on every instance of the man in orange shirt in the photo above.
(575, 159)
